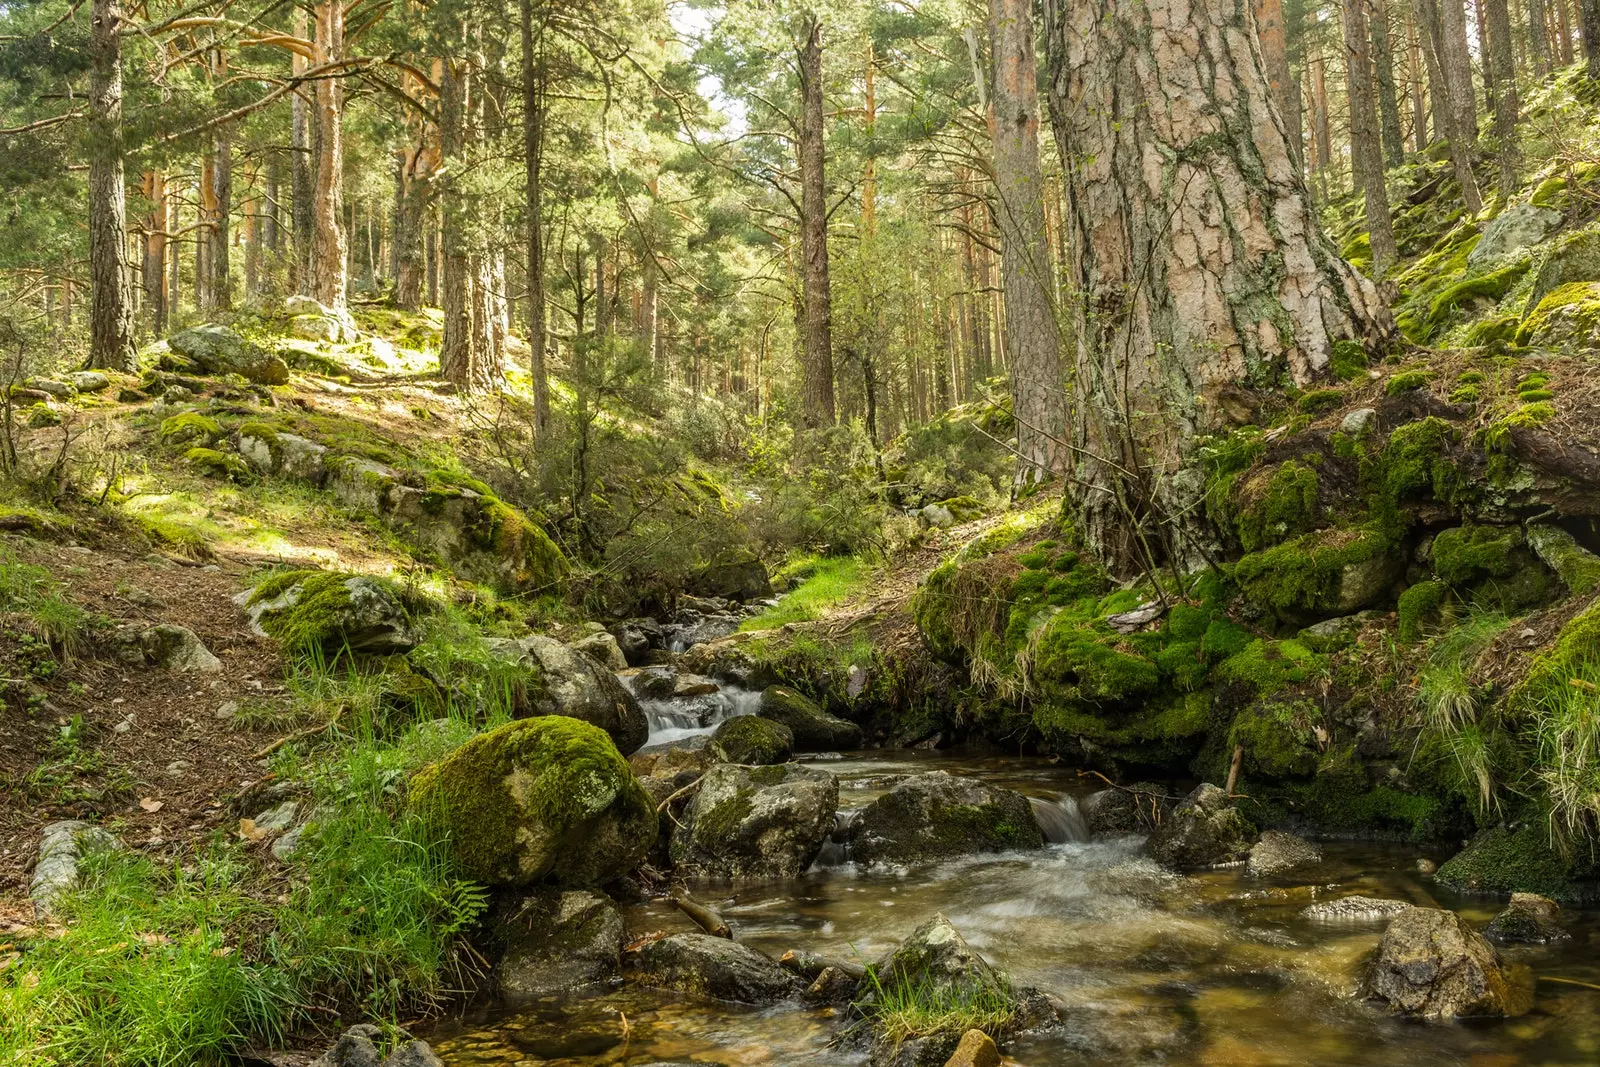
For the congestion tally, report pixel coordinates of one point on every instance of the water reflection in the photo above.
(1216, 970)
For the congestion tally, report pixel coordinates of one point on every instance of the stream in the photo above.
(1213, 970)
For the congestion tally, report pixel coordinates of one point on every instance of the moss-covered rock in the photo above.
(1567, 315)
(479, 535)
(216, 349)
(813, 729)
(219, 464)
(1492, 565)
(1577, 566)
(1418, 608)
(756, 822)
(189, 427)
(1501, 860)
(273, 451)
(1322, 574)
(1573, 259)
(537, 799)
(715, 967)
(750, 739)
(1204, 830)
(1278, 738)
(1277, 506)
(575, 685)
(937, 816)
(333, 613)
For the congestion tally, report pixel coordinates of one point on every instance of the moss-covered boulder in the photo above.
(937, 816)
(1492, 566)
(753, 740)
(573, 684)
(1323, 574)
(1204, 830)
(753, 823)
(814, 730)
(215, 464)
(548, 798)
(477, 534)
(275, 452)
(216, 349)
(1501, 860)
(1567, 315)
(1573, 259)
(189, 428)
(331, 612)
(1577, 566)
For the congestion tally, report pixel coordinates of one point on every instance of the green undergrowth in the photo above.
(30, 594)
(901, 1009)
(825, 582)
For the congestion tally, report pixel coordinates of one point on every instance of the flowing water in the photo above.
(676, 718)
(1214, 970)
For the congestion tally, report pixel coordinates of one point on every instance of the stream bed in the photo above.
(1217, 969)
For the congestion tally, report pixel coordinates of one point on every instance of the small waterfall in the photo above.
(675, 718)
(1060, 820)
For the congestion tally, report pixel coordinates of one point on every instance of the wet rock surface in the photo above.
(714, 967)
(1277, 852)
(937, 816)
(756, 822)
(814, 729)
(1204, 830)
(1529, 919)
(1430, 963)
(556, 941)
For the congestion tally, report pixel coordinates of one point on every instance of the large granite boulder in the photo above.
(814, 729)
(214, 349)
(558, 940)
(714, 967)
(546, 798)
(1430, 963)
(333, 612)
(1204, 830)
(574, 684)
(937, 816)
(756, 823)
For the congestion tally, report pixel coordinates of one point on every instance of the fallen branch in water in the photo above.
(705, 917)
(1567, 981)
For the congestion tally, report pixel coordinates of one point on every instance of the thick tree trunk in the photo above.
(1366, 154)
(1538, 38)
(1038, 388)
(1419, 97)
(155, 252)
(302, 165)
(219, 284)
(1589, 21)
(111, 302)
(1394, 147)
(1455, 55)
(1444, 97)
(533, 120)
(410, 218)
(1564, 38)
(466, 353)
(1503, 63)
(817, 404)
(1196, 251)
(329, 270)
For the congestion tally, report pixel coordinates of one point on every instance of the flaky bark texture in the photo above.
(1195, 253)
(302, 181)
(817, 404)
(329, 270)
(533, 125)
(1033, 340)
(1444, 107)
(111, 314)
(1394, 147)
(1455, 55)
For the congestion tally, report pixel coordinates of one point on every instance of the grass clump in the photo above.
(902, 1009)
(30, 591)
(832, 580)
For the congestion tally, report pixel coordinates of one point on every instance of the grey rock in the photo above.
(749, 739)
(285, 455)
(714, 967)
(937, 816)
(88, 381)
(61, 846)
(604, 650)
(1278, 851)
(637, 637)
(814, 730)
(277, 819)
(58, 389)
(739, 579)
(413, 1054)
(358, 482)
(654, 683)
(1356, 909)
(288, 844)
(218, 350)
(1432, 964)
(937, 516)
(1359, 422)
(355, 1048)
(558, 941)
(1575, 258)
(1204, 830)
(372, 620)
(756, 823)
(1136, 809)
(1529, 919)
(575, 685)
(1514, 231)
(178, 648)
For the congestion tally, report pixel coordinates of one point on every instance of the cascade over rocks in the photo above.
(541, 798)
(814, 729)
(936, 816)
(1204, 830)
(714, 967)
(575, 685)
(1430, 963)
(756, 822)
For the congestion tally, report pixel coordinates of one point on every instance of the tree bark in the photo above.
(1273, 32)
(817, 402)
(1444, 110)
(1196, 251)
(1589, 24)
(155, 252)
(219, 284)
(410, 217)
(533, 124)
(1501, 60)
(1455, 55)
(301, 170)
(466, 355)
(1033, 338)
(1366, 154)
(1321, 120)
(1419, 97)
(111, 313)
(1394, 147)
(329, 269)
(1538, 38)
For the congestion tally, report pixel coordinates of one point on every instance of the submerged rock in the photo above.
(749, 739)
(541, 798)
(574, 685)
(1356, 909)
(714, 967)
(1278, 851)
(558, 941)
(1432, 964)
(753, 823)
(1528, 919)
(937, 816)
(814, 729)
(1204, 830)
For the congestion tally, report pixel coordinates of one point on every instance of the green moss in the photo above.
(751, 739)
(1308, 574)
(1551, 669)
(1418, 606)
(1468, 554)
(1464, 394)
(1341, 799)
(220, 464)
(1492, 285)
(1268, 666)
(189, 426)
(1568, 313)
(264, 431)
(1407, 381)
(1501, 860)
(534, 559)
(1319, 400)
(1577, 566)
(1278, 738)
(320, 612)
(515, 803)
(1072, 661)
(1549, 193)
(1286, 507)
(1348, 361)
(1416, 460)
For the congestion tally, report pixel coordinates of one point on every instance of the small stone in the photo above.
(1530, 919)
(1426, 866)
(227, 709)
(1356, 909)
(275, 820)
(1360, 422)
(124, 726)
(977, 1049)
(89, 381)
(178, 768)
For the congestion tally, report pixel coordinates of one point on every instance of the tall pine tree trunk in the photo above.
(1538, 38)
(817, 403)
(410, 217)
(1196, 251)
(302, 165)
(219, 284)
(1444, 101)
(1455, 55)
(1419, 97)
(1366, 154)
(155, 252)
(1038, 388)
(466, 354)
(1394, 147)
(329, 269)
(111, 301)
(533, 120)
(1501, 60)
